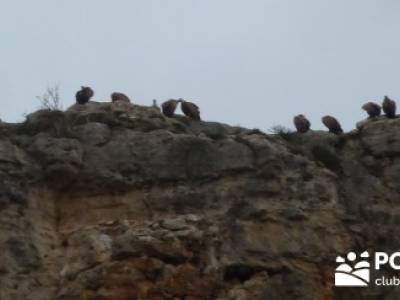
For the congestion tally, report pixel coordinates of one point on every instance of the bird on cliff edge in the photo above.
(84, 94)
(190, 109)
(389, 107)
(372, 109)
(168, 107)
(120, 97)
(332, 124)
(301, 123)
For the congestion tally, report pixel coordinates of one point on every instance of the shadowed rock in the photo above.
(190, 109)
(169, 107)
(120, 97)
(332, 124)
(372, 109)
(83, 96)
(301, 123)
(389, 107)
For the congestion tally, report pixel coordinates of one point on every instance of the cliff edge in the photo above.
(115, 201)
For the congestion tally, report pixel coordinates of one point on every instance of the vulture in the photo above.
(332, 124)
(372, 109)
(301, 123)
(389, 107)
(83, 96)
(120, 97)
(190, 109)
(169, 107)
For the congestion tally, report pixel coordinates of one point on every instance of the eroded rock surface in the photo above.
(115, 201)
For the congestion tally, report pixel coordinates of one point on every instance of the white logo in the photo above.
(353, 273)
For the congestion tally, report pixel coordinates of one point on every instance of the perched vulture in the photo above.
(120, 97)
(169, 107)
(372, 109)
(332, 124)
(301, 123)
(83, 96)
(190, 109)
(389, 107)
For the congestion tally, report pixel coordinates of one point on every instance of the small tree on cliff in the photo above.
(50, 99)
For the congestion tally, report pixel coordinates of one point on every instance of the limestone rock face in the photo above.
(377, 142)
(116, 201)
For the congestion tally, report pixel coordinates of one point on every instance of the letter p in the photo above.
(381, 258)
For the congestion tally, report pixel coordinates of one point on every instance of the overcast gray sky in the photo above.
(256, 63)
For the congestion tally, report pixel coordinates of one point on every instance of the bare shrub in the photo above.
(282, 131)
(50, 99)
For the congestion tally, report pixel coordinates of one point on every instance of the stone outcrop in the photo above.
(116, 201)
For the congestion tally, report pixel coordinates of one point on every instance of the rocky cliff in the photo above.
(115, 201)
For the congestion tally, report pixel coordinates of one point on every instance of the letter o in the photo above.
(391, 261)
